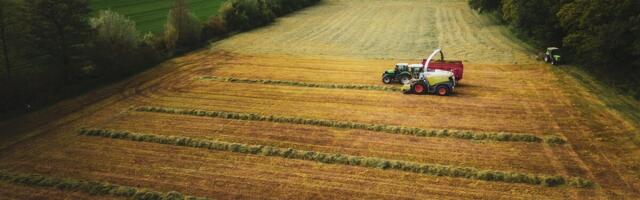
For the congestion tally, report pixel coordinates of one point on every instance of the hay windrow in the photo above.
(93, 188)
(303, 84)
(419, 132)
(330, 158)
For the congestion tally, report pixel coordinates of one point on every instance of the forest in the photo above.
(600, 36)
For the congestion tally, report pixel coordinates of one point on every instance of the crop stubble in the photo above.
(343, 42)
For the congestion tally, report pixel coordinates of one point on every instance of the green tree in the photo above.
(183, 29)
(8, 31)
(59, 28)
(485, 5)
(246, 14)
(535, 19)
(115, 43)
(115, 30)
(605, 35)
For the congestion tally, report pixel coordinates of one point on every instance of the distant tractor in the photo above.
(552, 55)
(404, 72)
(436, 81)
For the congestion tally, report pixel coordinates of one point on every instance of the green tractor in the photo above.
(403, 73)
(552, 55)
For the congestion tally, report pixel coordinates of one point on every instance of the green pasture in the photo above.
(151, 15)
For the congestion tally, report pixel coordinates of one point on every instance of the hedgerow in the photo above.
(303, 84)
(90, 187)
(247, 14)
(330, 158)
(460, 134)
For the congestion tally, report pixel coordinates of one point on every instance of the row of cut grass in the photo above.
(90, 187)
(329, 158)
(303, 84)
(459, 134)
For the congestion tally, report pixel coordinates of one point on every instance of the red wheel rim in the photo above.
(442, 91)
(419, 88)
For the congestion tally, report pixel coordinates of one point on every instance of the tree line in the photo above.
(52, 49)
(602, 36)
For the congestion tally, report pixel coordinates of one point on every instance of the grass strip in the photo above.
(303, 84)
(459, 134)
(90, 187)
(329, 158)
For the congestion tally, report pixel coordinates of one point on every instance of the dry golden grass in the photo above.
(507, 156)
(10, 191)
(342, 42)
(231, 175)
(378, 29)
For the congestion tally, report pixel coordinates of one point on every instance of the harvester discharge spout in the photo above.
(426, 63)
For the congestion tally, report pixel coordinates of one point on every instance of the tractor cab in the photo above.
(552, 55)
(401, 67)
(416, 70)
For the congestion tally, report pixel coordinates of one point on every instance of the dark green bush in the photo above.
(183, 29)
(246, 14)
(116, 50)
(283, 7)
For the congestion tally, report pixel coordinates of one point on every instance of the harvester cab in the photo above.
(416, 69)
(436, 81)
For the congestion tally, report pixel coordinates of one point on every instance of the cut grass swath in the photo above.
(303, 84)
(90, 187)
(460, 134)
(329, 158)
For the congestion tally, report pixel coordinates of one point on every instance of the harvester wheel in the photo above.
(404, 79)
(442, 90)
(386, 79)
(418, 88)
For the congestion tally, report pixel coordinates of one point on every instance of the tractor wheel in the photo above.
(404, 79)
(546, 58)
(442, 90)
(419, 88)
(386, 79)
(553, 62)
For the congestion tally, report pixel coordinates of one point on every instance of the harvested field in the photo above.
(519, 157)
(403, 130)
(384, 30)
(10, 191)
(337, 43)
(232, 175)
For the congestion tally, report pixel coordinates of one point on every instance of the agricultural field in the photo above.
(296, 110)
(151, 15)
